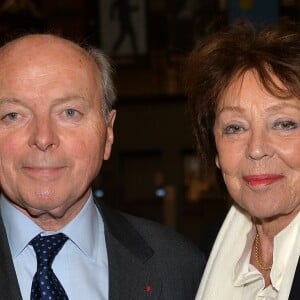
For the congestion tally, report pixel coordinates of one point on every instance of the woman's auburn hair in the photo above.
(218, 59)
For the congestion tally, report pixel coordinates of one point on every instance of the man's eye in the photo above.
(285, 125)
(11, 116)
(233, 129)
(70, 112)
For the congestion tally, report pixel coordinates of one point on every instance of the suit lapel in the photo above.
(295, 290)
(9, 287)
(131, 273)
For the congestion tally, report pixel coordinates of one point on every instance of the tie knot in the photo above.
(47, 247)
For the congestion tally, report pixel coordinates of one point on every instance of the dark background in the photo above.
(154, 149)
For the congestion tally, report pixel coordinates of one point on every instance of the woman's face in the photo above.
(258, 144)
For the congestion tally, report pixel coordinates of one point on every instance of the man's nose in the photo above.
(43, 134)
(259, 145)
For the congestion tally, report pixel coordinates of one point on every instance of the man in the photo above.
(56, 128)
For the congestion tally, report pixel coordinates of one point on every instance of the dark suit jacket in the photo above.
(295, 290)
(146, 261)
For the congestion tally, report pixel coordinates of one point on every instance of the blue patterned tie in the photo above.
(45, 285)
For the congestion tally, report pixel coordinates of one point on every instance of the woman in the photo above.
(244, 95)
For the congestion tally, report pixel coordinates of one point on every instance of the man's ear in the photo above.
(109, 134)
(217, 161)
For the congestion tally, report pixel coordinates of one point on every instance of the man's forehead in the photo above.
(41, 45)
(43, 51)
(46, 63)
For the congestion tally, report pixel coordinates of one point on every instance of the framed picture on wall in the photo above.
(189, 21)
(124, 30)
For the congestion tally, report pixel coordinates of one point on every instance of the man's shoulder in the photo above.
(147, 249)
(154, 232)
(161, 239)
(173, 252)
(164, 253)
(165, 241)
(151, 231)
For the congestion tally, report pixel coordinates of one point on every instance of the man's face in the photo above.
(53, 135)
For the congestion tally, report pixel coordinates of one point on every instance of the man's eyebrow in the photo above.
(6, 100)
(60, 100)
(9, 101)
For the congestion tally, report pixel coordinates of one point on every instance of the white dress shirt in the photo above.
(81, 265)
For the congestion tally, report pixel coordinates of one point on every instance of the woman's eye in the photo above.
(285, 125)
(233, 129)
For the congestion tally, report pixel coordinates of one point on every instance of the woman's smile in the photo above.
(262, 179)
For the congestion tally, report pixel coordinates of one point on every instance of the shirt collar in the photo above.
(83, 230)
(284, 245)
(284, 242)
(86, 229)
(244, 273)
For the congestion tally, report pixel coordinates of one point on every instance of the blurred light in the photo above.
(98, 193)
(160, 192)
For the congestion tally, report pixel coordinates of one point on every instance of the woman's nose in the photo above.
(259, 145)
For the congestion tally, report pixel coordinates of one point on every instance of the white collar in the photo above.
(225, 259)
(83, 230)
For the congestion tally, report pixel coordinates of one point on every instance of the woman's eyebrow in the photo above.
(236, 109)
(279, 107)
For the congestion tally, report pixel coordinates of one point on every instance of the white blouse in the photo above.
(229, 274)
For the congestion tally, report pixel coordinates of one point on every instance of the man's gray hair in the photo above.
(105, 70)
